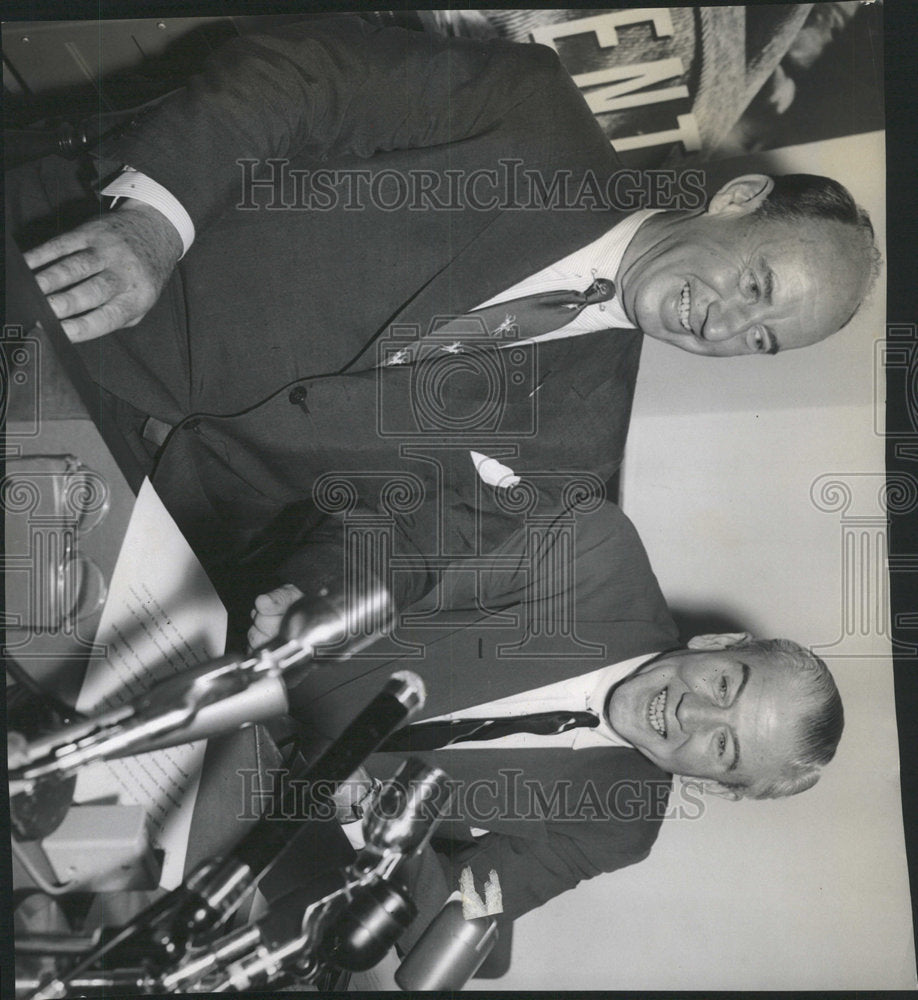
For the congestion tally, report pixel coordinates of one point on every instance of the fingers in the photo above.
(256, 638)
(95, 291)
(278, 600)
(107, 274)
(268, 614)
(60, 246)
(91, 294)
(94, 306)
(105, 319)
(69, 270)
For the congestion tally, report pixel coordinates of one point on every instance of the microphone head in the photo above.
(376, 916)
(409, 689)
(335, 624)
(404, 814)
(449, 952)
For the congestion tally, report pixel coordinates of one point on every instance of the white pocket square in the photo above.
(492, 472)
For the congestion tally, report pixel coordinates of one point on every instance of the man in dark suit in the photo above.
(568, 617)
(422, 178)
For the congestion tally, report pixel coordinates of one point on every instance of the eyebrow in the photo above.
(734, 764)
(769, 282)
(768, 287)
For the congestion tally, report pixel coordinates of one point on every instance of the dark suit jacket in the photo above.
(554, 816)
(264, 345)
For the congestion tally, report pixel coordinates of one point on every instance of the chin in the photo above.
(653, 758)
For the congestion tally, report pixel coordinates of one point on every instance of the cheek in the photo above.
(690, 758)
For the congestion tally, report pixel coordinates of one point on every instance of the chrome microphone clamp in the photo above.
(216, 697)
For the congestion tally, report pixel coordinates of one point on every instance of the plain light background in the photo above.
(809, 892)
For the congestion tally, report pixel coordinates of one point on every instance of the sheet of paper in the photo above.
(162, 616)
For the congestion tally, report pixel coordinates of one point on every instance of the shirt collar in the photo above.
(608, 252)
(596, 698)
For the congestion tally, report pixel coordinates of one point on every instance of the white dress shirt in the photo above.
(600, 259)
(586, 692)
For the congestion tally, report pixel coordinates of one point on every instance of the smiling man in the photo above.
(294, 227)
(562, 712)
(751, 718)
(773, 264)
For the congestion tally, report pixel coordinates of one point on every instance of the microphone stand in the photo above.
(214, 890)
(217, 697)
(350, 927)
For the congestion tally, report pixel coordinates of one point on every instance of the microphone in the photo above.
(376, 916)
(220, 695)
(396, 827)
(282, 923)
(408, 807)
(449, 952)
(334, 625)
(356, 925)
(363, 919)
(255, 689)
(217, 890)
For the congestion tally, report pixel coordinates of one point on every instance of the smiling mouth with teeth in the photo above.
(685, 307)
(656, 713)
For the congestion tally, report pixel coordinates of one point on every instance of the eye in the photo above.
(721, 743)
(750, 286)
(759, 341)
(723, 687)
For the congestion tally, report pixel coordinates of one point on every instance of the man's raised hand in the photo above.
(269, 612)
(107, 274)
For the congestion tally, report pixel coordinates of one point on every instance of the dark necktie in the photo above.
(432, 735)
(504, 323)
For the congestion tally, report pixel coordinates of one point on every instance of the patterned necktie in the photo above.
(504, 323)
(432, 735)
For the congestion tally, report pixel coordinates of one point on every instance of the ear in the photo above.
(710, 787)
(723, 640)
(741, 196)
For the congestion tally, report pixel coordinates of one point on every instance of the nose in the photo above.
(695, 713)
(726, 320)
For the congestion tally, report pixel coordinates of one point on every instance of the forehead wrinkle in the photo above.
(770, 715)
(793, 306)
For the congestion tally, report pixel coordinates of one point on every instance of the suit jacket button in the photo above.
(298, 395)
(192, 424)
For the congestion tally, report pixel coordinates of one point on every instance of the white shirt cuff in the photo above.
(354, 833)
(131, 183)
